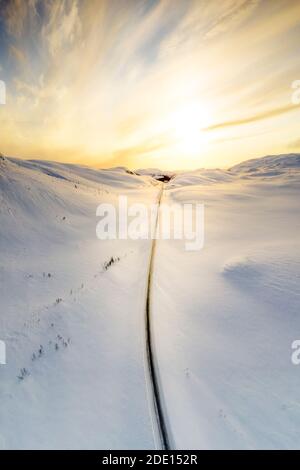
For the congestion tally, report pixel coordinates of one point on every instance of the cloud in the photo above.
(205, 21)
(234, 14)
(63, 25)
(106, 76)
(252, 119)
(17, 14)
(17, 54)
(295, 144)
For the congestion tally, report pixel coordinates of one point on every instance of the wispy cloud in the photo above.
(18, 15)
(252, 119)
(295, 144)
(63, 26)
(17, 54)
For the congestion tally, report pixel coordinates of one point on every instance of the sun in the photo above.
(185, 126)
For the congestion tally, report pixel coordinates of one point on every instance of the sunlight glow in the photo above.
(185, 128)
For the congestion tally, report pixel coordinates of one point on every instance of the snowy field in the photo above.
(223, 318)
(76, 328)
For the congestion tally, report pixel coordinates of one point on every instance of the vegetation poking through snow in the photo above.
(23, 373)
(109, 263)
(46, 274)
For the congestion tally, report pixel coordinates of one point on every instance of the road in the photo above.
(159, 419)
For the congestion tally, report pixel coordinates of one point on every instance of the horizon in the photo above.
(179, 170)
(168, 84)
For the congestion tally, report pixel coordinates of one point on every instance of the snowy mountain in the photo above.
(271, 165)
(266, 167)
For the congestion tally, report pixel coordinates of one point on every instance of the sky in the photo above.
(174, 84)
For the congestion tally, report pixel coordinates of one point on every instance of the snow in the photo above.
(84, 385)
(263, 166)
(223, 318)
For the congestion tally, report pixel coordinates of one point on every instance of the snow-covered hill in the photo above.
(225, 318)
(277, 164)
(73, 328)
(282, 166)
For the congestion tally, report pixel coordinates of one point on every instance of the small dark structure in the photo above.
(163, 178)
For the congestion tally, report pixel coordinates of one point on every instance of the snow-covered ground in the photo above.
(76, 328)
(223, 318)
